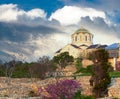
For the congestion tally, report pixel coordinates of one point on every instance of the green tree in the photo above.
(63, 59)
(2, 68)
(100, 77)
(21, 70)
(40, 68)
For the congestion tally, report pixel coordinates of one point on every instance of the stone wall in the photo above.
(86, 62)
(114, 89)
(21, 87)
(84, 81)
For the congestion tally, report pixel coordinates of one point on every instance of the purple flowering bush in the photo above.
(63, 89)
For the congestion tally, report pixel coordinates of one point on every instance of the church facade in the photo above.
(82, 44)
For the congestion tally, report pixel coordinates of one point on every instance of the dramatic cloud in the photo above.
(105, 5)
(29, 34)
(72, 14)
(110, 7)
(20, 32)
(10, 12)
(33, 49)
(103, 32)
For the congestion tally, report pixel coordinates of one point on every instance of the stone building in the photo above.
(113, 50)
(114, 55)
(82, 44)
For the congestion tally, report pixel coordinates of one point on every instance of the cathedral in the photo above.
(82, 44)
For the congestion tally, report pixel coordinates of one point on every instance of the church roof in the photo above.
(102, 46)
(83, 45)
(113, 46)
(93, 46)
(96, 46)
(75, 46)
(58, 51)
(82, 30)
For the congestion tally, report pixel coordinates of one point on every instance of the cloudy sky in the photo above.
(33, 28)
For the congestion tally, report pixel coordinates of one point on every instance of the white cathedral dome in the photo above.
(82, 37)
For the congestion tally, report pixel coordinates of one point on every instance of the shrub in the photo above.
(100, 79)
(31, 94)
(41, 67)
(63, 59)
(115, 74)
(86, 97)
(88, 69)
(63, 89)
(78, 64)
(115, 98)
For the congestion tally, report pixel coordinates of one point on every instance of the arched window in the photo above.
(90, 38)
(85, 38)
(80, 37)
(75, 38)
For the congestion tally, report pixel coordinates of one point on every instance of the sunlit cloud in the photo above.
(31, 34)
(72, 14)
(11, 13)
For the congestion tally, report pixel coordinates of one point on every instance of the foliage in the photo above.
(100, 77)
(89, 56)
(87, 70)
(31, 94)
(22, 70)
(85, 74)
(78, 64)
(111, 68)
(78, 96)
(18, 69)
(15, 69)
(84, 71)
(1, 72)
(41, 67)
(7, 68)
(115, 98)
(115, 74)
(63, 89)
(63, 59)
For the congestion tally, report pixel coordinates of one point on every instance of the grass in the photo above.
(85, 74)
(88, 72)
(83, 97)
(115, 74)
(86, 97)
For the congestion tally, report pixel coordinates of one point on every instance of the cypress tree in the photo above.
(100, 76)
